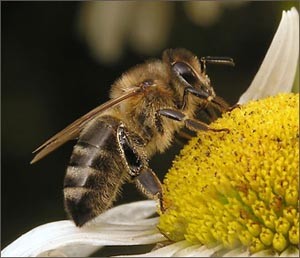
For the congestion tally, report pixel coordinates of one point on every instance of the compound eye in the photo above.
(184, 71)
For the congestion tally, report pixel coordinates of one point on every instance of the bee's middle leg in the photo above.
(192, 124)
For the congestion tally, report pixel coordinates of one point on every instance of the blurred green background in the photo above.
(57, 64)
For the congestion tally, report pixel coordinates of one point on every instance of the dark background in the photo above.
(49, 78)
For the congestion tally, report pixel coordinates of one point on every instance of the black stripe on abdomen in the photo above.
(89, 167)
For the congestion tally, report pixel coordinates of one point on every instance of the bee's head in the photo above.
(188, 76)
(186, 72)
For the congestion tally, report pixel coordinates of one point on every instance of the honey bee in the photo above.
(148, 105)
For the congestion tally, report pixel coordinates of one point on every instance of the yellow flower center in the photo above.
(239, 187)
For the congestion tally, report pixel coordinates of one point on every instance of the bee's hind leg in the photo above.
(137, 164)
(149, 184)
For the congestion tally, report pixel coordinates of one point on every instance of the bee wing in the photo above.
(73, 130)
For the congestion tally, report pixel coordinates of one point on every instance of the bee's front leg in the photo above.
(192, 124)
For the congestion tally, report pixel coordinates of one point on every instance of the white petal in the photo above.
(265, 253)
(181, 249)
(290, 252)
(190, 251)
(76, 251)
(200, 251)
(166, 251)
(238, 252)
(127, 213)
(277, 71)
(63, 238)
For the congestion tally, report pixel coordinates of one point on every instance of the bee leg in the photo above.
(209, 112)
(196, 125)
(144, 178)
(184, 136)
(234, 107)
(187, 90)
(149, 184)
(192, 124)
(216, 101)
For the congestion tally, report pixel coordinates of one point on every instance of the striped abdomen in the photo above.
(95, 173)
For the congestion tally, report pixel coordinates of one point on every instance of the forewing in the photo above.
(73, 130)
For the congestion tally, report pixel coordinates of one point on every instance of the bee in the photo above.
(148, 105)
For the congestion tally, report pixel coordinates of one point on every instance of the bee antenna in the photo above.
(223, 60)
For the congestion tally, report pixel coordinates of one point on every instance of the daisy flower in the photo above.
(227, 194)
